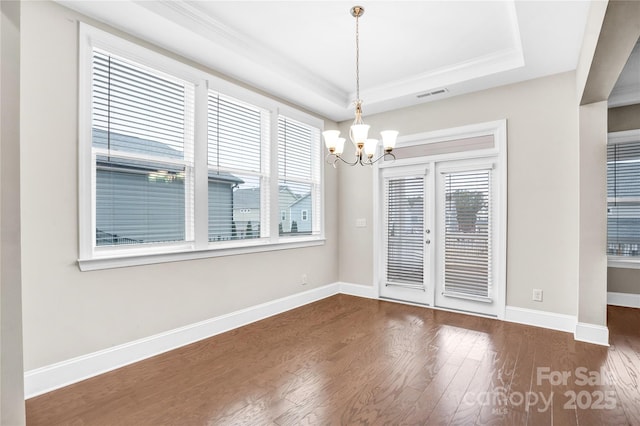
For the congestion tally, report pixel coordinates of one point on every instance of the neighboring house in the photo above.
(246, 210)
(300, 212)
(126, 189)
(222, 187)
(286, 198)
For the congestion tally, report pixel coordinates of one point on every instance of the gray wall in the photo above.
(11, 378)
(68, 313)
(624, 118)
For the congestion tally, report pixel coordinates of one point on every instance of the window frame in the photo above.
(292, 115)
(92, 257)
(613, 261)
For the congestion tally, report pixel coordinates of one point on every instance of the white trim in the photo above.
(623, 136)
(544, 319)
(629, 300)
(360, 290)
(148, 258)
(623, 262)
(51, 377)
(592, 333)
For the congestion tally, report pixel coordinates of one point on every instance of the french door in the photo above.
(439, 235)
(406, 217)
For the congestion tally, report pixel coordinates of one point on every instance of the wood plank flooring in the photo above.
(346, 360)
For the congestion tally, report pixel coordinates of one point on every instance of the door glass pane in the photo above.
(467, 256)
(404, 210)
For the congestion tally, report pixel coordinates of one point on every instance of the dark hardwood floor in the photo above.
(346, 360)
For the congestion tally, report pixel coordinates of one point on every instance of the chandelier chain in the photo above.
(357, 58)
(365, 147)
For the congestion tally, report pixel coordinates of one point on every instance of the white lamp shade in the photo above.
(370, 147)
(339, 146)
(389, 138)
(331, 138)
(359, 133)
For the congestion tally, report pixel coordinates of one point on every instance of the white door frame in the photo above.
(498, 153)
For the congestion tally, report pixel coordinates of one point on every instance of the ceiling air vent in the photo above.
(435, 92)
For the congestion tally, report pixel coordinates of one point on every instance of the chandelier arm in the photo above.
(338, 157)
(384, 155)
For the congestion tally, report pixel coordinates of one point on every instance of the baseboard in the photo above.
(359, 290)
(592, 333)
(623, 299)
(64, 373)
(55, 376)
(544, 319)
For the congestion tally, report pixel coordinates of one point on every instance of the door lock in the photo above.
(427, 242)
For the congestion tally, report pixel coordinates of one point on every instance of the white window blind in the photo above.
(154, 187)
(142, 146)
(623, 199)
(238, 140)
(467, 244)
(298, 177)
(404, 217)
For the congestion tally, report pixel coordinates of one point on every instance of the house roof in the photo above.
(132, 144)
(299, 200)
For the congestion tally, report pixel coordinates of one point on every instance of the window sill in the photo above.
(623, 262)
(123, 261)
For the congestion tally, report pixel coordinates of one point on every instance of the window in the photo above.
(623, 197)
(237, 173)
(177, 164)
(298, 176)
(142, 152)
(404, 220)
(467, 233)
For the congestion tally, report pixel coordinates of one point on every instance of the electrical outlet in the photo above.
(537, 295)
(303, 279)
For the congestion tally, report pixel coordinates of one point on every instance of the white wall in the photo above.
(592, 305)
(68, 313)
(543, 185)
(12, 410)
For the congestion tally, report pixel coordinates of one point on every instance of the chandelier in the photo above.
(365, 148)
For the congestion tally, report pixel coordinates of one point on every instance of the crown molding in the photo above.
(481, 66)
(195, 19)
